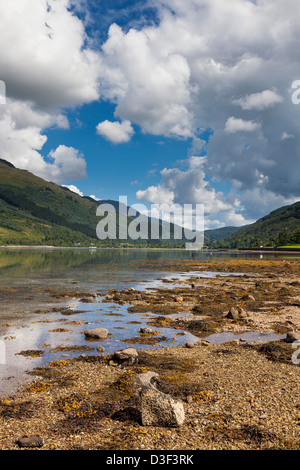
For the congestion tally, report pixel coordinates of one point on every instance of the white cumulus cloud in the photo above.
(190, 186)
(116, 132)
(45, 59)
(239, 125)
(225, 66)
(46, 66)
(259, 101)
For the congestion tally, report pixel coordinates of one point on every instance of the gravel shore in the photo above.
(236, 395)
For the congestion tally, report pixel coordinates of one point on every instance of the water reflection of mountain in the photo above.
(33, 261)
(29, 262)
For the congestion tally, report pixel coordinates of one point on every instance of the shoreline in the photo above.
(236, 251)
(235, 395)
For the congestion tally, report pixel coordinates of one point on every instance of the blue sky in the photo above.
(114, 170)
(162, 101)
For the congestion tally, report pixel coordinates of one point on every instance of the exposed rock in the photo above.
(203, 342)
(30, 442)
(86, 300)
(291, 336)
(144, 380)
(233, 313)
(242, 313)
(146, 330)
(108, 297)
(236, 313)
(126, 357)
(159, 409)
(97, 333)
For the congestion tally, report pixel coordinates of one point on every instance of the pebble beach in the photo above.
(235, 395)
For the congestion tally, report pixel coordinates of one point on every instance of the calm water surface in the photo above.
(27, 274)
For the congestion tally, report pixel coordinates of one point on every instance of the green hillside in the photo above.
(280, 228)
(215, 235)
(37, 212)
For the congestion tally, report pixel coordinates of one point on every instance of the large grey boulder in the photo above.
(159, 409)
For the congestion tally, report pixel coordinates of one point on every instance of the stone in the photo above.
(146, 330)
(159, 409)
(242, 313)
(233, 314)
(236, 313)
(179, 299)
(112, 363)
(30, 442)
(126, 357)
(203, 342)
(291, 336)
(142, 380)
(97, 333)
(197, 309)
(100, 349)
(189, 345)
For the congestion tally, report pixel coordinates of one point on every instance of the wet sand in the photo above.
(236, 394)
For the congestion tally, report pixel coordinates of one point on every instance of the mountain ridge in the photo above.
(38, 212)
(280, 227)
(34, 211)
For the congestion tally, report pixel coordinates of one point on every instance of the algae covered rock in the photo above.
(159, 409)
(236, 313)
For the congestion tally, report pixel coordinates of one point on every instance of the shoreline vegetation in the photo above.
(235, 395)
(286, 249)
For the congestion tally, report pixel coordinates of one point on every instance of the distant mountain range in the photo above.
(280, 228)
(37, 212)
